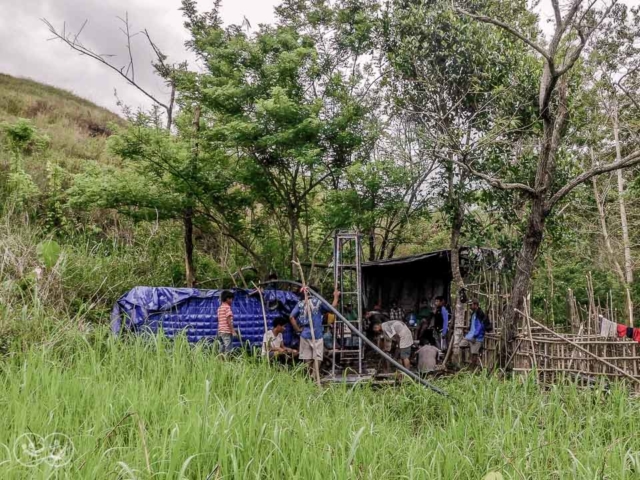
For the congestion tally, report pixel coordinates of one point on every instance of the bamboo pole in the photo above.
(593, 355)
(513, 355)
(264, 317)
(533, 347)
(630, 307)
(307, 307)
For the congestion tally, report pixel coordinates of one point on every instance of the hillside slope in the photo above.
(49, 139)
(76, 128)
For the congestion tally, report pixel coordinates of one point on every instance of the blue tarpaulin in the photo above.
(194, 312)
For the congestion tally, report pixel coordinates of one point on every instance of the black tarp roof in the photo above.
(405, 260)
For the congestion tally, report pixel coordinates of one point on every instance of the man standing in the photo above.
(441, 322)
(396, 312)
(475, 338)
(226, 330)
(395, 330)
(311, 341)
(425, 325)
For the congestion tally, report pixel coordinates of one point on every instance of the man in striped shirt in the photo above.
(225, 321)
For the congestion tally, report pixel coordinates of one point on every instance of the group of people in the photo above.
(306, 320)
(428, 330)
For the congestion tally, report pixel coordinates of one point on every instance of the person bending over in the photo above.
(395, 330)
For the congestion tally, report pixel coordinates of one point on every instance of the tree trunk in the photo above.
(628, 262)
(372, 244)
(458, 281)
(187, 218)
(603, 226)
(293, 226)
(524, 268)
(172, 101)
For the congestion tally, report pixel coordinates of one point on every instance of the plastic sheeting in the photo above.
(194, 312)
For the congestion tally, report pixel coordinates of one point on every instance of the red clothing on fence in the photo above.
(622, 331)
(225, 318)
(636, 334)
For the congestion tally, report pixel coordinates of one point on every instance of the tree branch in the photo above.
(495, 182)
(509, 29)
(557, 13)
(629, 161)
(74, 44)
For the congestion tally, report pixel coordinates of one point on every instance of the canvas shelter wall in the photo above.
(193, 312)
(407, 280)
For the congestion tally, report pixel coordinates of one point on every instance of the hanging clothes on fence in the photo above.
(611, 329)
(608, 328)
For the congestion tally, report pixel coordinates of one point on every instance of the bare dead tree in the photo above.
(162, 69)
(573, 30)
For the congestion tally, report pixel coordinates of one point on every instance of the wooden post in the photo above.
(630, 307)
(533, 347)
(264, 318)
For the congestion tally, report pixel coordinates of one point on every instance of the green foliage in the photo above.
(48, 253)
(125, 190)
(21, 191)
(22, 137)
(275, 99)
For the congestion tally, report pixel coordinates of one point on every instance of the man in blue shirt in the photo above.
(311, 341)
(441, 322)
(475, 338)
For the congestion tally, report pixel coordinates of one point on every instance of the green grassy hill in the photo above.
(48, 139)
(77, 129)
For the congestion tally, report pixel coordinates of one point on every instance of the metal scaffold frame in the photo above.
(347, 274)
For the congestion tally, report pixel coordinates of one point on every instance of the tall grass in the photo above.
(153, 409)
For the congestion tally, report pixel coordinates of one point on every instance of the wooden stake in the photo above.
(264, 317)
(533, 347)
(630, 307)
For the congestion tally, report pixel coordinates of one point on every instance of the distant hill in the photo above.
(77, 128)
(21, 97)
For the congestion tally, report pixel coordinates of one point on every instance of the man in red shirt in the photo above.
(226, 332)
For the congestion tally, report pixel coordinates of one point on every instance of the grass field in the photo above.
(85, 406)
(154, 409)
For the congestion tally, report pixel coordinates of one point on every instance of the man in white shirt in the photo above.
(395, 330)
(427, 358)
(272, 343)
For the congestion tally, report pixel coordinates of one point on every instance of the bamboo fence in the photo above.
(554, 358)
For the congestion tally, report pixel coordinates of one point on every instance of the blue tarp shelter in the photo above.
(194, 312)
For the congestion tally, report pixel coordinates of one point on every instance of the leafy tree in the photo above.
(575, 27)
(383, 195)
(461, 82)
(289, 118)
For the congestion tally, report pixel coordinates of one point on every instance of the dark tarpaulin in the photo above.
(424, 276)
(194, 312)
(407, 280)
